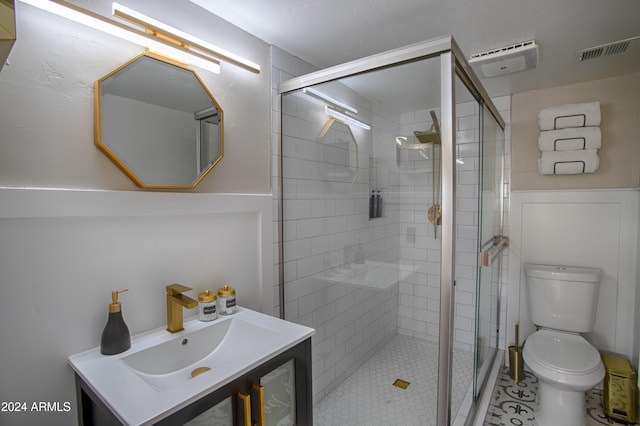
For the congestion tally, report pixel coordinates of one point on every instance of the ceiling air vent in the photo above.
(608, 49)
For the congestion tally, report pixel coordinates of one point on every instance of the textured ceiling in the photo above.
(330, 32)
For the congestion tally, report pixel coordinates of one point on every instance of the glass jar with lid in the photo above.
(226, 300)
(207, 306)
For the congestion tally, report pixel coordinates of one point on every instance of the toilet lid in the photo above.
(566, 352)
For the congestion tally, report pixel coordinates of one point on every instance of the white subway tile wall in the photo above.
(328, 233)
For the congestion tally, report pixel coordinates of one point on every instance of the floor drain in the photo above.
(402, 384)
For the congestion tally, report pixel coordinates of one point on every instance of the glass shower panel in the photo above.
(468, 163)
(490, 233)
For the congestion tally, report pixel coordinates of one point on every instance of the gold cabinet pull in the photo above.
(261, 417)
(246, 407)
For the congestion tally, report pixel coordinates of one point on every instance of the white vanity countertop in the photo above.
(135, 402)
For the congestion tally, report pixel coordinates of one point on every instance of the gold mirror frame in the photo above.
(201, 122)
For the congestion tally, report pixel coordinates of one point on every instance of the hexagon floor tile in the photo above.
(368, 396)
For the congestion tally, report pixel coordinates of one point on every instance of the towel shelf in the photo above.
(558, 125)
(564, 167)
(571, 115)
(558, 141)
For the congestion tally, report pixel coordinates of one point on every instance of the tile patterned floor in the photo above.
(514, 403)
(368, 396)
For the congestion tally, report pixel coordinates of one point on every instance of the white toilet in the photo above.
(562, 303)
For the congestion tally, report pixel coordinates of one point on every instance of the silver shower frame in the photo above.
(452, 63)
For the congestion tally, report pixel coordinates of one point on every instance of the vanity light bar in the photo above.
(86, 17)
(190, 41)
(164, 44)
(328, 99)
(345, 118)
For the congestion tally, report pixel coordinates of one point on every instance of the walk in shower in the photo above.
(391, 203)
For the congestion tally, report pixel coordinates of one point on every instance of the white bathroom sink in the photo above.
(172, 363)
(154, 377)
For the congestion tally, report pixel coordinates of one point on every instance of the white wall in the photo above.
(63, 252)
(619, 166)
(46, 100)
(589, 228)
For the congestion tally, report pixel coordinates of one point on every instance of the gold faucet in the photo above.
(175, 301)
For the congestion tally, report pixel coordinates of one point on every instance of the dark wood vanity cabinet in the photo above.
(286, 397)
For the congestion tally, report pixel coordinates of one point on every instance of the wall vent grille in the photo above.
(615, 48)
(504, 49)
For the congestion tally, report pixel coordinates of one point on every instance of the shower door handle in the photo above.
(495, 247)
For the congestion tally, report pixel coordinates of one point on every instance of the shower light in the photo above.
(154, 35)
(345, 118)
(328, 99)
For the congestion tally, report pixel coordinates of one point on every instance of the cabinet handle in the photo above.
(261, 417)
(246, 407)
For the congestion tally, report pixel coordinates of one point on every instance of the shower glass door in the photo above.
(490, 242)
(360, 181)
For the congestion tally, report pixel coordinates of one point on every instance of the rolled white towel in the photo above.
(570, 115)
(568, 162)
(571, 138)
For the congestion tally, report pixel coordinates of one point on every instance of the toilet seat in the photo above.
(566, 366)
(562, 352)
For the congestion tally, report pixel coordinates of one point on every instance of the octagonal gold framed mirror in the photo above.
(158, 122)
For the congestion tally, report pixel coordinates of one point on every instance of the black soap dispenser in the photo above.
(115, 336)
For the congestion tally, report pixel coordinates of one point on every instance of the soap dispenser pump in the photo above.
(115, 336)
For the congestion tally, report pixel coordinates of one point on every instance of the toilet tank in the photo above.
(563, 297)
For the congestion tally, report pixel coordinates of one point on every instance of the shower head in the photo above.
(427, 137)
(433, 134)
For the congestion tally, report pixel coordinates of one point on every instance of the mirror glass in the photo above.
(158, 123)
(341, 151)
